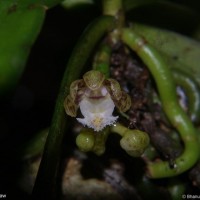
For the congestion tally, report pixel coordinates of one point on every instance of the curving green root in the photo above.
(178, 118)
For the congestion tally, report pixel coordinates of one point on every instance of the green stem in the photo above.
(112, 7)
(166, 87)
(46, 178)
(119, 129)
(115, 8)
(102, 60)
(102, 57)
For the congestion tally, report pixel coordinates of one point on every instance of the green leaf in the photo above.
(181, 52)
(19, 27)
(20, 24)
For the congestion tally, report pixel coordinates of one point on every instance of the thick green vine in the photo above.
(166, 87)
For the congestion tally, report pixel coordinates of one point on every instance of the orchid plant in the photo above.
(122, 85)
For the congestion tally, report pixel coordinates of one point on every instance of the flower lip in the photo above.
(97, 113)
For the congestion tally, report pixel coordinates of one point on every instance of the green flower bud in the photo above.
(85, 141)
(134, 142)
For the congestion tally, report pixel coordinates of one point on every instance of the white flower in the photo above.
(96, 97)
(97, 111)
